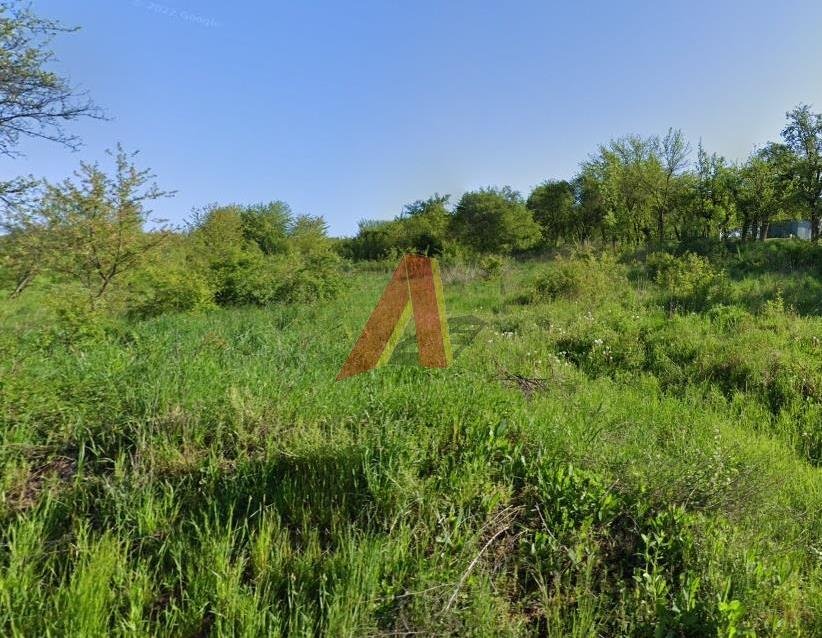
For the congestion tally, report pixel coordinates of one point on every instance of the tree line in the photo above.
(96, 233)
(93, 238)
(90, 234)
(632, 190)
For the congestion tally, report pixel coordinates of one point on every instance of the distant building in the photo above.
(785, 229)
(800, 229)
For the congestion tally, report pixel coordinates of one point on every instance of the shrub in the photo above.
(492, 266)
(563, 278)
(373, 241)
(784, 256)
(261, 255)
(453, 254)
(421, 228)
(307, 278)
(688, 282)
(173, 288)
(596, 278)
(494, 220)
(76, 320)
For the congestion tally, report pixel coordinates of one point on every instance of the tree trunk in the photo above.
(746, 226)
(763, 230)
(22, 284)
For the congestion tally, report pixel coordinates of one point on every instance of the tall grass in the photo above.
(203, 474)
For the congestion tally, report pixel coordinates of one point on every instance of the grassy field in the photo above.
(624, 445)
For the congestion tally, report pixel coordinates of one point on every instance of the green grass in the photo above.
(203, 473)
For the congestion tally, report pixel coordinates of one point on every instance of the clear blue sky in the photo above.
(351, 109)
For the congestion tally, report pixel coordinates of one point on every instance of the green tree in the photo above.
(266, 225)
(552, 205)
(638, 183)
(308, 234)
(91, 230)
(34, 101)
(803, 136)
(494, 220)
(423, 225)
(714, 201)
(627, 171)
(672, 155)
(229, 254)
(374, 240)
(590, 212)
(766, 189)
(262, 254)
(23, 249)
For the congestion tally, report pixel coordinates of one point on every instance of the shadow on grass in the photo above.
(462, 331)
(322, 489)
(802, 292)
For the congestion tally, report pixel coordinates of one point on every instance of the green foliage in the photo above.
(262, 255)
(689, 282)
(592, 466)
(552, 204)
(167, 288)
(728, 318)
(562, 279)
(422, 227)
(494, 220)
(590, 531)
(90, 231)
(306, 278)
(266, 225)
(632, 190)
(75, 321)
(492, 266)
(373, 241)
(803, 138)
(569, 278)
(202, 473)
(784, 257)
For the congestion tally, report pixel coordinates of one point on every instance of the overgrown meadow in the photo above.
(627, 443)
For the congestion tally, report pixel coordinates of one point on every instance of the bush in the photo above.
(307, 278)
(453, 254)
(688, 282)
(492, 266)
(784, 256)
(494, 221)
(160, 290)
(595, 278)
(563, 278)
(421, 228)
(246, 259)
(76, 320)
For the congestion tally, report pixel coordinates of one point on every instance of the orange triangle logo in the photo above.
(415, 288)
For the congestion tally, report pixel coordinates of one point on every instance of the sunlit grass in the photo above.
(204, 472)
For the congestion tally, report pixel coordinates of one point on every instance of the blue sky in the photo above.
(350, 110)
